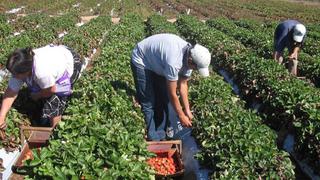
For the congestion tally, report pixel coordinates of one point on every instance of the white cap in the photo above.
(298, 32)
(201, 57)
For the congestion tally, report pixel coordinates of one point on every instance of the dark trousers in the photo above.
(145, 83)
(161, 120)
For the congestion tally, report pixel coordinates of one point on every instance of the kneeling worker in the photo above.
(49, 73)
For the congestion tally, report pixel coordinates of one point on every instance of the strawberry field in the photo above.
(243, 111)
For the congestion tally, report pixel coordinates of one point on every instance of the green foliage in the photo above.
(234, 140)
(288, 99)
(64, 22)
(101, 136)
(230, 135)
(157, 24)
(30, 21)
(259, 38)
(45, 33)
(87, 37)
(5, 30)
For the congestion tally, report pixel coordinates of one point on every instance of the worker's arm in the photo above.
(44, 93)
(172, 90)
(294, 54)
(293, 60)
(183, 89)
(8, 99)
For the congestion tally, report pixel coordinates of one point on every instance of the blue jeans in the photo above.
(145, 81)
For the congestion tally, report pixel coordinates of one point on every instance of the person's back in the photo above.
(52, 61)
(160, 51)
(289, 24)
(283, 35)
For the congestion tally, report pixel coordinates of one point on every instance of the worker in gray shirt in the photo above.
(169, 57)
(290, 34)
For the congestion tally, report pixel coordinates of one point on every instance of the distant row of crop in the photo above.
(287, 100)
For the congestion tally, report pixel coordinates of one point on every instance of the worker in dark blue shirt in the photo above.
(290, 34)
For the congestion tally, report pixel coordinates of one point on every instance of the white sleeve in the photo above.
(15, 84)
(46, 82)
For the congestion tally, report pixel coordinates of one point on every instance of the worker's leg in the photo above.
(53, 109)
(145, 94)
(161, 102)
(293, 66)
(55, 120)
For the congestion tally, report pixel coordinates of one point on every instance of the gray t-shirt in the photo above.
(284, 34)
(164, 54)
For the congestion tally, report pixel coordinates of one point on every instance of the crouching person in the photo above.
(164, 62)
(49, 73)
(289, 34)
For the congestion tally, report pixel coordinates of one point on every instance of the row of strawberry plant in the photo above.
(280, 11)
(56, 7)
(29, 22)
(5, 28)
(249, 24)
(314, 35)
(230, 136)
(9, 139)
(88, 34)
(156, 24)
(308, 66)
(257, 40)
(311, 44)
(102, 136)
(253, 25)
(286, 99)
(313, 31)
(36, 20)
(87, 37)
(36, 37)
(262, 44)
(270, 26)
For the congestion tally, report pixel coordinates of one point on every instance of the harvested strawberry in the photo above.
(163, 165)
(27, 156)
